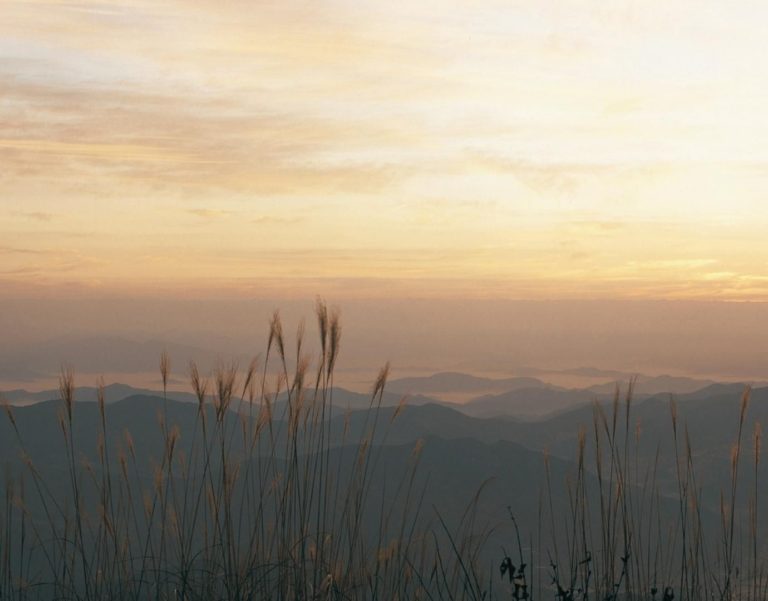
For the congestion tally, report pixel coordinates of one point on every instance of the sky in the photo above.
(553, 149)
(371, 152)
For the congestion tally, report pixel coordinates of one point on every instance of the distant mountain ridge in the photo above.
(451, 381)
(523, 398)
(113, 393)
(656, 384)
(530, 403)
(534, 398)
(711, 421)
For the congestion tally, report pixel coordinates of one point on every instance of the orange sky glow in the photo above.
(562, 149)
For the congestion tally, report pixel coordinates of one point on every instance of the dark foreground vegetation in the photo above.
(266, 489)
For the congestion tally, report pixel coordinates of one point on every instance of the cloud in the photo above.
(600, 226)
(274, 220)
(34, 215)
(209, 213)
(554, 123)
(149, 139)
(12, 250)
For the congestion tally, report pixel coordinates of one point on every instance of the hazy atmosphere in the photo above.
(124, 337)
(312, 301)
(164, 161)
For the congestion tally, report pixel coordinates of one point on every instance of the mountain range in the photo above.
(518, 397)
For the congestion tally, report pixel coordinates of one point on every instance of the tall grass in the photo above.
(621, 538)
(262, 499)
(253, 505)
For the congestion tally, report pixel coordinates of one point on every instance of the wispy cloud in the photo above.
(275, 220)
(34, 215)
(12, 250)
(209, 213)
(565, 149)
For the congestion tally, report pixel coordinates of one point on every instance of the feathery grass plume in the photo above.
(170, 442)
(757, 438)
(129, 443)
(335, 341)
(321, 310)
(381, 381)
(417, 449)
(729, 533)
(253, 367)
(165, 369)
(734, 458)
(199, 385)
(158, 478)
(302, 366)
(300, 330)
(67, 389)
(276, 334)
(401, 405)
(225, 377)
(673, 412)
(745, 396)
(265, 413)
(100, 396)
(321, 313)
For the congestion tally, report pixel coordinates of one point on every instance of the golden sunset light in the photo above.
(407, 300)
(499, 150)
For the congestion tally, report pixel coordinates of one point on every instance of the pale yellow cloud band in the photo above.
(539, 150)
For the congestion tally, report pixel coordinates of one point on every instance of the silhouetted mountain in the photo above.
(342, 399)
(460, 382)
(647, 385)
(418, 421)
(716, 389)
(112, 394)
(460, 456)
(461, 462)
(528, 402)
(709, 422)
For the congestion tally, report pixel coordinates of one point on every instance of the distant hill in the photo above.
(462, 459)
(710, 416)
(112, 394)
(348, 400)
(655, 384)
(529, 402)
(540, 402)
(531, 397)
(342, 399)
(449, 381)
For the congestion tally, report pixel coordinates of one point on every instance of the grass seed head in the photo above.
(100, 396)
(67, 389)
(165, 368)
